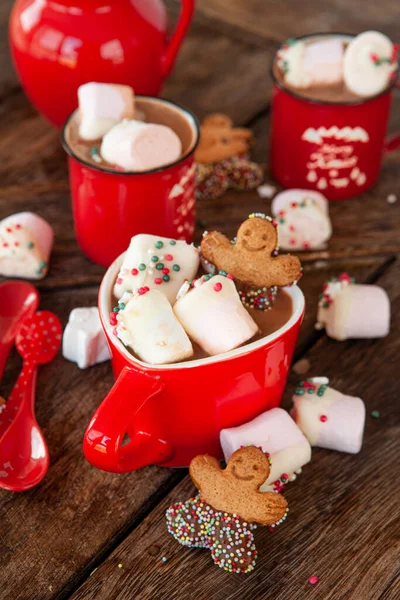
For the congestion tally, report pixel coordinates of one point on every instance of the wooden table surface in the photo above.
(87, 534)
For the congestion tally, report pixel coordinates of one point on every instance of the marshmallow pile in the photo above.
(321, 416)
(162, 309)
(365, 66)
(108, 111)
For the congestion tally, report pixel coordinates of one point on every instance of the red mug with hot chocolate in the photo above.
(110, 205)
(174, 412)
(333, 146)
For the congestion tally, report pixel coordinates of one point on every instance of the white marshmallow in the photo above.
(84, 341)
(356, 311)
(362, 74)
(291, 61)
(323, 61)
(276, 433)
(103, 105)
(303, 219)
(26, 241)
(140, 252)
(137, 146)
(214, 316)
(329, 420)
(149, 327)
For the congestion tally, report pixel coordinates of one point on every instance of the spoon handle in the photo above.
(22, 387)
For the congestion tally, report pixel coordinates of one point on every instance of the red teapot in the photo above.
(57, 45)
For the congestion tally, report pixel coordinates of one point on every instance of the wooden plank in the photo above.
(342, 525)
(280, 19)
(58, 531)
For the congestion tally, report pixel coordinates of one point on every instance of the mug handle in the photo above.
(168, 58)
(392, 143)
(102, 443)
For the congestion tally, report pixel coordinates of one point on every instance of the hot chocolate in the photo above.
(336, 68)
(148, 109)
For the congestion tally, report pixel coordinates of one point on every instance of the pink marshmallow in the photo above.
(137, 146)
(323, 61)
(276, 433)
(328, 418)
(213, 315)
(349, 310)
(26, 241)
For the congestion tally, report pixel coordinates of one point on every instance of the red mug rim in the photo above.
(281, 86)
(187, 113)
(104, 311)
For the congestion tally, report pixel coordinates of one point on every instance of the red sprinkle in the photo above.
(113, 318)
(285, 476)
(323, 418)
(158, 280)
(292, 242)
(115, 331)
(165, 271)
(9, 229)
(120, 280)
(18, 226)
(292, 228)
(313, 580)
(143, 290)
(169, 257)
(135, 272)
(5, 245)
(230, 276)
(218, 287)
(293, 204)
(16, 244)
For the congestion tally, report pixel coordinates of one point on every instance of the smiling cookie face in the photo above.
(257, 235)
(250, 465)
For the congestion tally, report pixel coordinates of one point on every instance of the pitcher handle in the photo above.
(102, 443)
(168, 58)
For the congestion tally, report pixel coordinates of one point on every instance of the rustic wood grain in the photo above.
(343, 524)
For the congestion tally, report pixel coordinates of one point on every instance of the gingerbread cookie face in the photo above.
(235, 490)
(220, 140)
(252, 259)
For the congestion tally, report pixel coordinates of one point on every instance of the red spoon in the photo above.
(18, 300)
(24, 457)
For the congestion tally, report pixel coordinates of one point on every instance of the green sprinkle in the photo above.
(159, 244)
(176, 268)
(320, 393)
(30, 244)
(142, 267)
(160, 266)
(223, 273)
(116, 309)
(281, 221)
(166, 278)
(172, 242)
(39, 272)
(299, 392)
(310, 391)
(93, 151)
(43, 264)
(121, 305)
(154, 258)
(375, 414)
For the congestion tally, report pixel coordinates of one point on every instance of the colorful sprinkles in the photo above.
(311, 386)
(332, 287)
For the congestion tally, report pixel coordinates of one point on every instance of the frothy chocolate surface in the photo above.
(324, 93)
(154, 111)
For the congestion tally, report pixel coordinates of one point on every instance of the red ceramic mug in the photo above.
(335, 148)
(110, 207)
(172, 413)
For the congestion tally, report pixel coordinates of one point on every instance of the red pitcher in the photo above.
(58, 45)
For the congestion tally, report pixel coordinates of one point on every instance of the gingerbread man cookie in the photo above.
(222, 158)
(252, 259)
(224, 514)
(220, 140)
